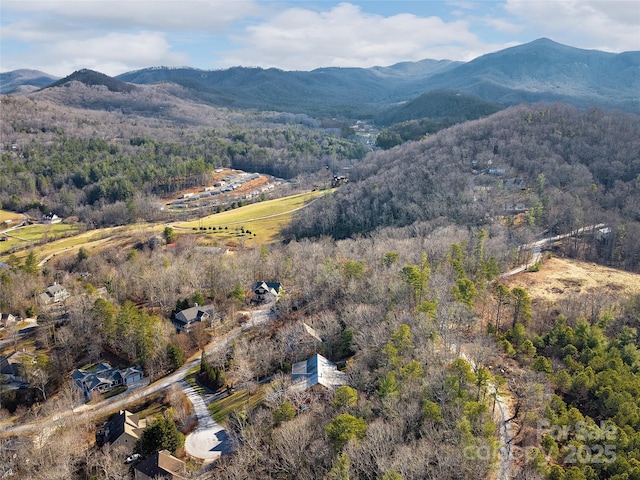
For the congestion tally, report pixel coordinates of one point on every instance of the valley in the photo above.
(410, 282)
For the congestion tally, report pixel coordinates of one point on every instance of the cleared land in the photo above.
(577, 287)
(23, 237)
(7, 215)
(264, 220)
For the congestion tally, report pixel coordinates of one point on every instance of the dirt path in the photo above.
(500, 416)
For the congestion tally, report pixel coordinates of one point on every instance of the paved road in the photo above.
(537, 247)
(87, 412)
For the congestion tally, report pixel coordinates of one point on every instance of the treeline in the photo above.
(429, 113)
(577, 168)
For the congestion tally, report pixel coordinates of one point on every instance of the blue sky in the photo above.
(113, 37)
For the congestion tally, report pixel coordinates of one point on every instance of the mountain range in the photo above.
(542, 70)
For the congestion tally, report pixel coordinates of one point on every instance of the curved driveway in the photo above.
(210, 439)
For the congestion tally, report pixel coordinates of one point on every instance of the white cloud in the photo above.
(112, 54)
(185, 15)
(304, 39)
(110, 36)
(502, 25)
(605, 25)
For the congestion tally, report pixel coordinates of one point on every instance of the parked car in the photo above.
(132, 458)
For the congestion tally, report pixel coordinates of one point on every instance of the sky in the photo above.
(113, 36)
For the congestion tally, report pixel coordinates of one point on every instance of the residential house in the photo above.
(264, 292)
(12, 366)
(122, 430)
(104, 378)
(185, 319)
(514, 184)
(54, 294)
(317, 374)
(51, 218)
(160, 465)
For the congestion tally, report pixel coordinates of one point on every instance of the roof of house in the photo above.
(194, 314)
(273, 287)
(131, 372)
(317, 370)
(103, 374)
(161, 464)
(123, 422)
(13, 364)
(55, 288)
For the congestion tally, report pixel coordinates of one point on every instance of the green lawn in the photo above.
(221, 409)
(25, 236)
(264, 220)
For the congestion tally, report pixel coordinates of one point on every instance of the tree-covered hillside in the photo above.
(146, 143)
(563, 167)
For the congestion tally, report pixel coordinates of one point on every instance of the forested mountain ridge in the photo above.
(541, 70)
(563, 167)
(91, 77)
(324, 91)
(544, 70)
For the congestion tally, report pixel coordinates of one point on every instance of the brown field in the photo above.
(575, 288)
(560, 276)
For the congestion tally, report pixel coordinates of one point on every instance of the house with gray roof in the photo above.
(185, 319)
(103, 378)
(264, 292)
(160, 465)
(54, 294)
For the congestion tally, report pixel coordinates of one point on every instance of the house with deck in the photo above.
(54, 294)
(265, 292)
(103, 378)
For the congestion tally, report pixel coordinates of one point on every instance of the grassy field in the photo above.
(221, 409)
(7, 215)
(25, 236)
(90, 240)
(264, 220)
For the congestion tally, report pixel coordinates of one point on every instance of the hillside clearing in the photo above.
(580, 288)
(264, 219)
